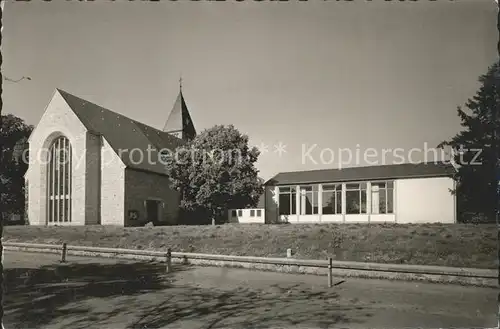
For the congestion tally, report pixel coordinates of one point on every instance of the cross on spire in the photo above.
(180, 83)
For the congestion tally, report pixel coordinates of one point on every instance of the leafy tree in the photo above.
(215, 172)
(476, 149)
(14, 163)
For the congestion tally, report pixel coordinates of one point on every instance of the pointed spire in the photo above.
(179, 121)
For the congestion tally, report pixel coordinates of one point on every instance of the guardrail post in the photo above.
(184, 260)
(330, 265)
(63, 253)
(168, 260)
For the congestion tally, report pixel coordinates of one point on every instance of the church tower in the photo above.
(179, 123)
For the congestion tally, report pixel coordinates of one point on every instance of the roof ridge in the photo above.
(153, 128)
(137, 124)
(120, 131)
(88, 124)
(104, 108)
(368, 166)
(390, 171)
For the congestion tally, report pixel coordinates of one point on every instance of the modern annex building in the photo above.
(403, 193)
(86, 167)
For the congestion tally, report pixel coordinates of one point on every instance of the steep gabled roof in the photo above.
(179, 120)
(398, 171)
(123, 134)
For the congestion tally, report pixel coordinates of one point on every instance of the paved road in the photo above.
(100, 293)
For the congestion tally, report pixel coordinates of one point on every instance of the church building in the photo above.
(89, 165)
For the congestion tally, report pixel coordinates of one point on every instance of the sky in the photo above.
(309, 82)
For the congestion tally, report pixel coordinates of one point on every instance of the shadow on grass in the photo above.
(140, 295)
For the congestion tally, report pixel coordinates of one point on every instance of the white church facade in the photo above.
(89, 165)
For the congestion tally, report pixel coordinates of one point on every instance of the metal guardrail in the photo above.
(329, 264)
(345, 265)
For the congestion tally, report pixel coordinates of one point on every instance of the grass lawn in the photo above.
(457, 245)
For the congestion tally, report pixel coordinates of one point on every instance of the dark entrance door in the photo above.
(152, 207)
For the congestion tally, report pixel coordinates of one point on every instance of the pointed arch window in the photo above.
(59, 182)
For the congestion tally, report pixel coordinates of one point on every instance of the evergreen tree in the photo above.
(476, 149)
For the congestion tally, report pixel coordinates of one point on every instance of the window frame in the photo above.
(362, 186)
(334, 189)
(59, 181)
(291, 191)
(311, 190)
(388, 185)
